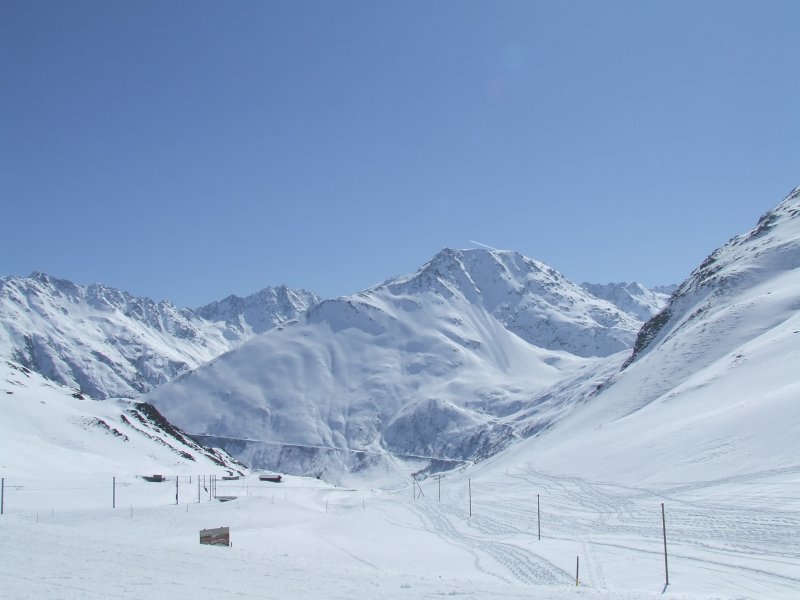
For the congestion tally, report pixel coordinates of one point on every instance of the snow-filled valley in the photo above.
(448, 419)
(307, 539)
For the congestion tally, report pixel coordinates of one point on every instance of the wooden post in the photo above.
(469, 484)
(577, 569)
(177, 478)
(538, 517)
(113, 492)
(664, 528)
(419, 487)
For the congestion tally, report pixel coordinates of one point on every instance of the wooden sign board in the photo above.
(221, 536)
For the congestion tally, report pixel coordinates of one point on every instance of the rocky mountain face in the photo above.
(756, 260)
(108, 343)
(434, 367)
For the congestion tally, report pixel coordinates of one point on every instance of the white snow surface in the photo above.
(304, 539)
(109, 343)
(49, 428)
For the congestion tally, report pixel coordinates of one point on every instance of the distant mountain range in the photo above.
(511, 324)
(108, 343)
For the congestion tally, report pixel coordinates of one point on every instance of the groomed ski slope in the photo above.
(735, 538)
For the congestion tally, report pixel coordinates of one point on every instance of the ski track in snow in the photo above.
(721, 536)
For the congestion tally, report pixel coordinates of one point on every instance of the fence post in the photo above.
(177, 479)
(113, 492)
(2, 495)
(538, 518)
(664, 528)
(577, 569)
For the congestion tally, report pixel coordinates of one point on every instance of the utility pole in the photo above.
(664, 528)
(538, 517)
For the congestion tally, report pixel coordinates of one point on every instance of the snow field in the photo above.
(307, 539)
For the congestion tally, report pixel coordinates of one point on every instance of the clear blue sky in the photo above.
(189, 150)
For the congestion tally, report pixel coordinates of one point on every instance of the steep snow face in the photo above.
(529, 298)
(711, 390)
(631, 298)
(432, 365)
(106, 342)
(258, 312)
(740, 277)
(49, 428)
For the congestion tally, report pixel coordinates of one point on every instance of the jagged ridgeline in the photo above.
(108, 343)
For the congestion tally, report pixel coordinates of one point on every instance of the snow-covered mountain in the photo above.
(632, 298)
(433, 364)
(258, 312)
(49, 428)
(710, 390)
(528, 297)
(109, 343)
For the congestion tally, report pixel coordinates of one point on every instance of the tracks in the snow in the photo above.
(601, 518)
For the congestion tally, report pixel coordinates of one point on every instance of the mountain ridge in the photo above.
(109, 343)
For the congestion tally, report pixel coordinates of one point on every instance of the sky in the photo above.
(188, 150)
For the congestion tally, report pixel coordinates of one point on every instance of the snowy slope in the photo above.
(47, 429)
(711, 390)
(111, 344)
(441, 363)
(632, 298)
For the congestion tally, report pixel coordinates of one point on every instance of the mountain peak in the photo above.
(528, 297)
